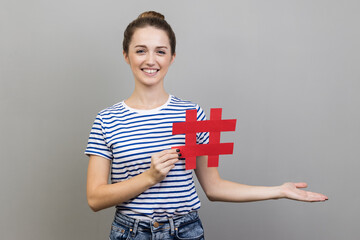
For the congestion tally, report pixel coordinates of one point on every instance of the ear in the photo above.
(172, 58)
(126, 57)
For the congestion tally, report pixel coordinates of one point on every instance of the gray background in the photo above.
(288, 71)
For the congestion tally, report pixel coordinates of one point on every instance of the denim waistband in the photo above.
(163, 224)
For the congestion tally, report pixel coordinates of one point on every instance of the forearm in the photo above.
(108, 195)
(102, 195)
(218, 189)
(227, 191)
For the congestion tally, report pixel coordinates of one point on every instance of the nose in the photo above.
(150, 59)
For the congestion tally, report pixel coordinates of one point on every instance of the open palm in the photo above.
(292, 191)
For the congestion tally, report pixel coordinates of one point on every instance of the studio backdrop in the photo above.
(288, 71)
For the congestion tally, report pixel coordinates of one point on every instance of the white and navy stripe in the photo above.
(129, 138)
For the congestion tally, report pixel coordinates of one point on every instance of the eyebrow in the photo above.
(146, 47)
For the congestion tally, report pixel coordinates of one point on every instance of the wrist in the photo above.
(278, 192)
(149, 178)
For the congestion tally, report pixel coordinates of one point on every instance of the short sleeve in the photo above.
(97, 144)
(202, 137)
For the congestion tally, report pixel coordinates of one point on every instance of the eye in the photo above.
(161, 52)
(140, 51)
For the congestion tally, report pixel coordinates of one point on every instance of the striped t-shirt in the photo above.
(129, 137)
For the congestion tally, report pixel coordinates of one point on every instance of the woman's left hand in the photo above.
(291, 191)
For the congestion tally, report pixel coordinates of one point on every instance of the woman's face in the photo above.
(149, 56)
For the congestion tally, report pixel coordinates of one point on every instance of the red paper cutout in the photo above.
(214, 126)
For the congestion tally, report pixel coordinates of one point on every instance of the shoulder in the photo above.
(117, 110)
(187, 104)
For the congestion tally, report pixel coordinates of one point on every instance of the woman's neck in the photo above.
(148, 98)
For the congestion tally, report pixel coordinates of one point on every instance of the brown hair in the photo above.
(149, 18)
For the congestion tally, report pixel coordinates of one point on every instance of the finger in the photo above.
(164, 168)
(169, 162)
(170, 166)
(168, 157)
(163, 155)
(312, 197)
(318, 196)
(167, 166)
(301, 185)
(167, 151)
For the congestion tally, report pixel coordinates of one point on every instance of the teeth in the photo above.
(150, 70)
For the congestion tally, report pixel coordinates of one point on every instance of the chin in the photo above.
(150, 82)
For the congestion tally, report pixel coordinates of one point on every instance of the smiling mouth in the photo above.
(150, 71)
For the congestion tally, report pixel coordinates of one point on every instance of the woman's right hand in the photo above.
(102, 195)
(162, 162)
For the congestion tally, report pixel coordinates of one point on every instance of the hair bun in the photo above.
(152, 14)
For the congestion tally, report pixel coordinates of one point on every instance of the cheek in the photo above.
(135, 62)
(165, 62)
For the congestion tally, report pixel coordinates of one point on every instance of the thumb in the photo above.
(301, 185)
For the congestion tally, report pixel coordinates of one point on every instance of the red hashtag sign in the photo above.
(214, 148)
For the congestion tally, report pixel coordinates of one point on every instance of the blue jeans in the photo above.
(187, 227)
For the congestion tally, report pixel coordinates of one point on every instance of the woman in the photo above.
(154, 195)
